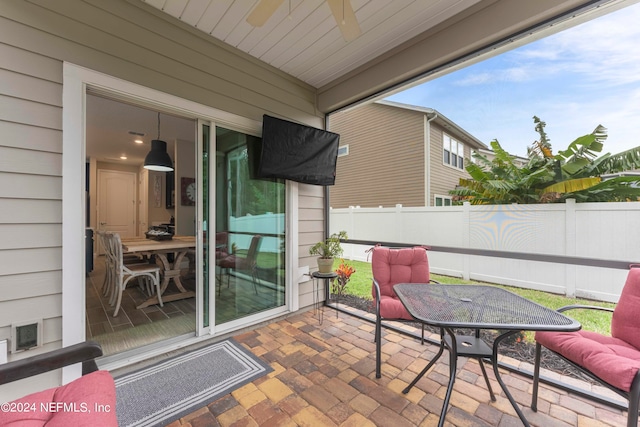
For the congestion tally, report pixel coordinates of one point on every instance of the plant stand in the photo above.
(318, 306)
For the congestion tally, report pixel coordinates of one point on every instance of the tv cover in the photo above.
(297, 152)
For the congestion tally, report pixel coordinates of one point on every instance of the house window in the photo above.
(442, 201)
(343, 150)
(453, 152)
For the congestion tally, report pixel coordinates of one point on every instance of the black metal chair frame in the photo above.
(632, 396)
(378, 330)
(85, 353)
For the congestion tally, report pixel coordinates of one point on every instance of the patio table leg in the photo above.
(453, 365)
(429, 365)
(486, 379)
(502, 384)
(453, 360)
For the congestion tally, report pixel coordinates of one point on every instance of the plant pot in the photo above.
(325, 265)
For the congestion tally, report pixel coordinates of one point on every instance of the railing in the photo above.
(241, 229)
(558, 259)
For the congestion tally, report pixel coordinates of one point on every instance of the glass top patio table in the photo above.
(476, 307)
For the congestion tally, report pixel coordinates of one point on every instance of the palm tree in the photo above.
(546, 178)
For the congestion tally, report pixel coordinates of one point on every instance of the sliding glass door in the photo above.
(249, 231)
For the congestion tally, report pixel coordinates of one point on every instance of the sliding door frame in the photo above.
(77, 81)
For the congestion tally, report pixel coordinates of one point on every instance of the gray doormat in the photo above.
(160, 394)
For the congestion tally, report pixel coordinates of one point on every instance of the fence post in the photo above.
(570, 245)
(399, 224)
(351, 232)
(466, 226)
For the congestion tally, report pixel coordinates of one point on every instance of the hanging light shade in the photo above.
(158, 159)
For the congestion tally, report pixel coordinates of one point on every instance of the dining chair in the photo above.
(390, 267)
(109, 285)
(246, 263)
(123, 273)
(613, 361)
(109, 279)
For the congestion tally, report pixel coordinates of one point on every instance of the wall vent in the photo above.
(26, 335)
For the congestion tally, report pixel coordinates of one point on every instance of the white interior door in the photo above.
(117, 202)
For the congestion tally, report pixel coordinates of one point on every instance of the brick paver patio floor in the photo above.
(324, 375)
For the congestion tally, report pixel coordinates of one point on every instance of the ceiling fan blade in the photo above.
(345, 18)
(263, 11)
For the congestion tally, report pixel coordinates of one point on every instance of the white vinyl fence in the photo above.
(246, 226)
(606, 231)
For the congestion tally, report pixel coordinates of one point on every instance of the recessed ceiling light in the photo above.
(139, 141)
(123, 157)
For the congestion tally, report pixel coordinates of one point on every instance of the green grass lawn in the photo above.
(591, 320)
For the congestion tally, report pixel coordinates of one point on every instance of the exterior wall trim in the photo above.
(76, 81)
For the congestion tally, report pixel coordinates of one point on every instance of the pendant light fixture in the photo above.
(158, 159)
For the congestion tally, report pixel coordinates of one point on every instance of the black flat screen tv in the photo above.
(298, 152)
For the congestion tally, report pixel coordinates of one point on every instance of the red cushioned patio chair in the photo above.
(613, 361)
(390, 267)
(72, 404)
(222, 242)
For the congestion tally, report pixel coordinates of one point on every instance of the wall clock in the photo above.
(188, 191)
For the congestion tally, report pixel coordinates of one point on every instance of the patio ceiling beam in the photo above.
(465, 36)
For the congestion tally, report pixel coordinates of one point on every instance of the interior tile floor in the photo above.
(133, 327)
(100, 319)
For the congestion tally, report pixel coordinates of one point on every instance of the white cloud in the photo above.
(475, 79)
(604, 50)
(573, 80)
(511, 74)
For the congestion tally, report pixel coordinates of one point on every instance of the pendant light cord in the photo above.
(158, 125)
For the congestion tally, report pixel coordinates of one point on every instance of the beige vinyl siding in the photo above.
(128, 40)
(26, 136)
(30, 191)
(135, 42)
(444, 177)
(311, 230)
(386, 157)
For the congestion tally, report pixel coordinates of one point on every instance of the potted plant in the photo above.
(327, 250)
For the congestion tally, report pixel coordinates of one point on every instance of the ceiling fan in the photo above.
(341, 9)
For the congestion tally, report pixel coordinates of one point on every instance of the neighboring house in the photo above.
(490, 155)
(625, 173)
(392, 153)
(202, 62)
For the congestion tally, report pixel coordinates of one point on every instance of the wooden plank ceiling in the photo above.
(302, 37)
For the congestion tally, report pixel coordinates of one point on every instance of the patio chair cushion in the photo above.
(393, 266)
(73, 404)
(625, 323)
(611, 359)
(222, 240)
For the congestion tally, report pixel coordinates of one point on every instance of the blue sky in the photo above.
(573, 80)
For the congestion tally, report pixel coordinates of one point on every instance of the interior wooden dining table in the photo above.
(179, 246)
